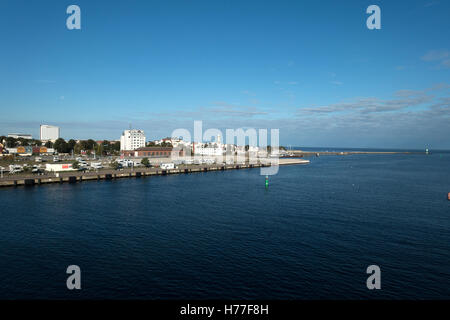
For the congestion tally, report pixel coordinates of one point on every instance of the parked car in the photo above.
(37, 169)
(126, 163)
(96, 165)
(14, 168)
(198, 161)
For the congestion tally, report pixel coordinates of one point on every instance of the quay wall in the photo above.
(76, 177)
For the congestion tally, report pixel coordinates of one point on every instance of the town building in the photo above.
(212, 149)
(151, 152)
(20, 136)
(49, 133)
(175, 142)
(132, 140)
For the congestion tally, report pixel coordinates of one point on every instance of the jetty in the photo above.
(137, 172)
(301, 153)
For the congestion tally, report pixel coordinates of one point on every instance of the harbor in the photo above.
(110, 174)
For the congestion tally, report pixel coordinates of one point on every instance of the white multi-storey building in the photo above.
(132, 139)
(49, 132)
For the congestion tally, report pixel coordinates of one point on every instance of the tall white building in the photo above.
(132, 139)
(49, 132)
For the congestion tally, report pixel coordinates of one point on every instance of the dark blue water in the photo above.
(222, 235)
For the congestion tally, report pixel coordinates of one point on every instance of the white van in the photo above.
(126, 162)
(14, 168)
(96, 165)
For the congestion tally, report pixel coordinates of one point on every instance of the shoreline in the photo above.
(110, 174)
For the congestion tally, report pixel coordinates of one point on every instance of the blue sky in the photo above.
(309, 68)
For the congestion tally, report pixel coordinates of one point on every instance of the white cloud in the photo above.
(403, 100)
(441, 56)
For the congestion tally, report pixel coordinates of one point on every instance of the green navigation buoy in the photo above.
(267, 182)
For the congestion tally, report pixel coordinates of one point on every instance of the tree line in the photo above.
(62, 146)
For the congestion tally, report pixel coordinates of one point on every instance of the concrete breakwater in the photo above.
(345, 153)
(109, 174)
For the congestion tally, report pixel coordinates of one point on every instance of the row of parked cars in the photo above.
(83, 165)
(195, 161)
(41, 159)
(16, 168)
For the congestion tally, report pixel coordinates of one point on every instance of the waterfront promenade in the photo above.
(137, 172)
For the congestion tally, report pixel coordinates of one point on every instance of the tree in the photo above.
(91, 144)
(71, 144)
(115, 165)
(165, 144)
(116, 146)
(61, 145)
(77, 148)
(145, 162)
(106, 145)
(75, 165)
(24, 142)
(11, 142)
(98, 149)
(49, 144)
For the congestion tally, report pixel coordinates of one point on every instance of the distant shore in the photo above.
(344, 153)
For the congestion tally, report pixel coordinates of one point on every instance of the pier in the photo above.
(301, 153)
(138, 172)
